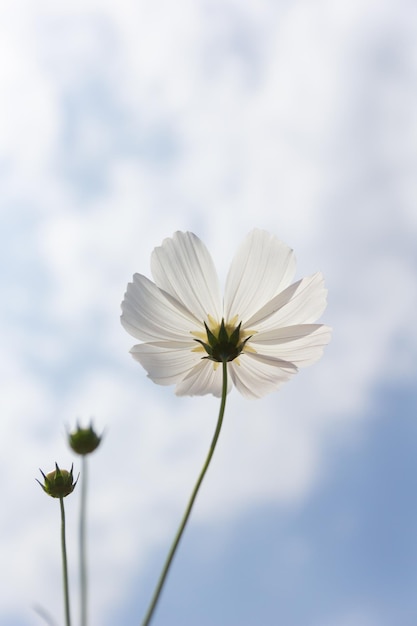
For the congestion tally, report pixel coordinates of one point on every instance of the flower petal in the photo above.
(301, 303)
(204, 378)
(166, 362)
(183, 267)
(277, 319)
(262, 267)
(302, 344)
(148, 313)
(255, 375)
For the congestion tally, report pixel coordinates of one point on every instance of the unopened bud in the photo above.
(84, 440)
(59, 483)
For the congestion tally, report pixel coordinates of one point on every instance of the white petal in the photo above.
(149, 314)
(301, 303)
(301, 345)
(204, 378)
(166, 362)
(255, 375)
(262, 267)
(183, 267)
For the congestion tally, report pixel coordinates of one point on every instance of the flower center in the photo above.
(224, 343)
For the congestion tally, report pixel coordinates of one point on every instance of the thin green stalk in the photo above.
(64, 565)
(82, 542)
(190, 504)
(44, 615)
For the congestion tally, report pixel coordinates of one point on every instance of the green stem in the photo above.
(64, 565)
(82, 543)
(190, 504)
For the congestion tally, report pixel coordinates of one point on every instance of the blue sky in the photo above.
(345, 555)
(120, 124)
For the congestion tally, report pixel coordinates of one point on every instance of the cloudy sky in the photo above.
(121, 123)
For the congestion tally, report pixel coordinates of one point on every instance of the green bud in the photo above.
(59, 483)
(84, 440)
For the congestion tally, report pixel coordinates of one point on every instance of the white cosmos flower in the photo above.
(268, 330)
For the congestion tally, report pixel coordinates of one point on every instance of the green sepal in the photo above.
(224, 347)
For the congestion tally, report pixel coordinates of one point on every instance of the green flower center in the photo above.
(223, 344)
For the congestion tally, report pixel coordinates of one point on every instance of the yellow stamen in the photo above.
(198, 348)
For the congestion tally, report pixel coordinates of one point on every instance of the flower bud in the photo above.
(84, 440)
(59, 483)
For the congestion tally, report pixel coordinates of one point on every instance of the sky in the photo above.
(121, 123)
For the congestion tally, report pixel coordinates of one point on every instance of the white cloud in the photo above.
(213, 121)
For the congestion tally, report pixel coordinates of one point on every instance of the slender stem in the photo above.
(82, 542)
(44, 615)
(64, 565)
(190, 504)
